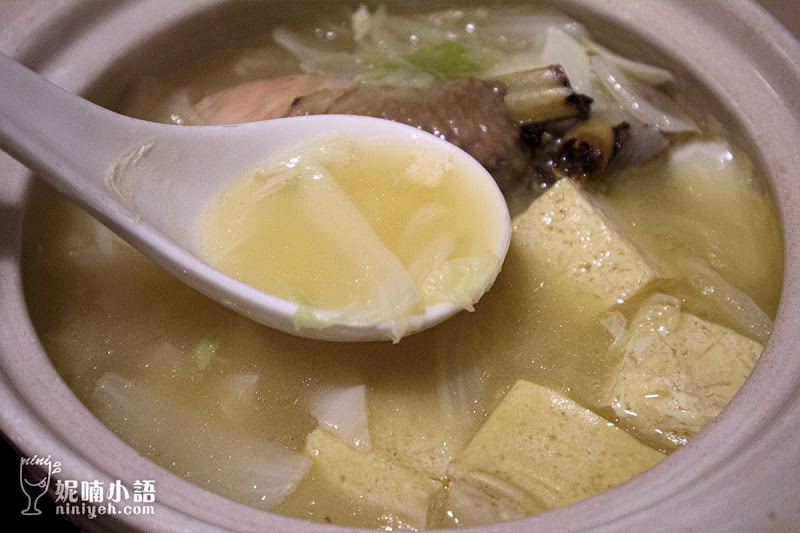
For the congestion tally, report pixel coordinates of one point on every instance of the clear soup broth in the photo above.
(638, 292)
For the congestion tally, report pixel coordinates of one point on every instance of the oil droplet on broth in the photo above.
(358, 232)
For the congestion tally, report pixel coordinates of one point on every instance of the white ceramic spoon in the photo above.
(151, 183)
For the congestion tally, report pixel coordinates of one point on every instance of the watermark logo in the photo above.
(34, 479)
(88, 498)
(92, 498)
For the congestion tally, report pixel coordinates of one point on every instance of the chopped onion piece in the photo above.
(343, 412)
(736, 306)
(238, 394)
(641, 71)
(711, 159)
(460, 379)
(624, 91)
(361, 22)
(393, 44)
(562, 49)
(200, 448)
(420, 27)
(645, 143)
(342, 224)
(524, 28)
(512, 63)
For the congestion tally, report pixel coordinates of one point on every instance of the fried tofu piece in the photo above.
(675, 379)
(370, 477)
(537, 451)
(566, 235)
(409, 430)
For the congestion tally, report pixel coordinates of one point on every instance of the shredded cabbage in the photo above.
(660, 313)
(449, 59)
(461, 281)
(617, 326)
(415, 51)
(315, 60)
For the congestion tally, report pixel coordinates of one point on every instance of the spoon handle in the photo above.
(65, 139)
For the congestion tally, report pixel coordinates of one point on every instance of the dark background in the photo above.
(14, 501)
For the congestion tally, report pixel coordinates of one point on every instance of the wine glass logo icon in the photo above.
(34, 479)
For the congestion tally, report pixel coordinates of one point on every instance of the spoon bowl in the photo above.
(151, 183)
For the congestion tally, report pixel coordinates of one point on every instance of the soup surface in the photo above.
(641, 283)
(359, 232)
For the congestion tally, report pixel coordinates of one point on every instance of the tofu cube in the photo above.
(537, 451)
(565, 234)
(407, 427)
(371, 478)
(673, 380)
